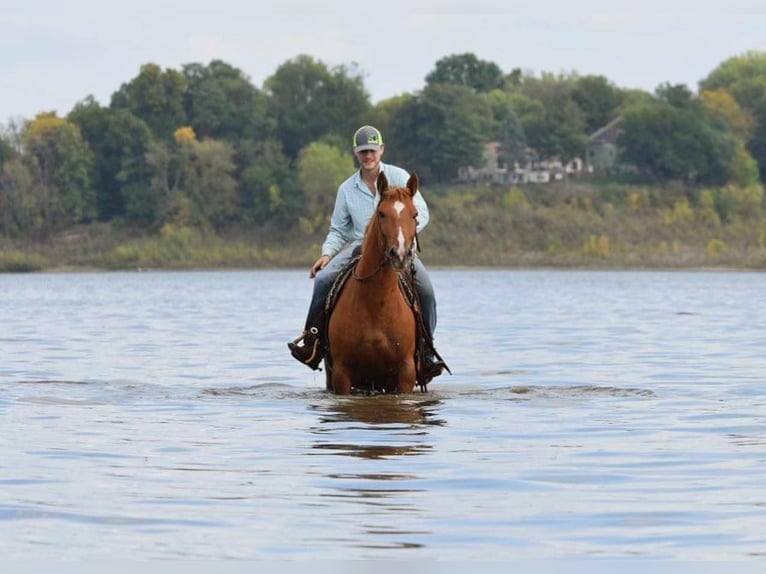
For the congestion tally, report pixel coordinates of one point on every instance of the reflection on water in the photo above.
(159, 416)
(375, 421)
(380, 410)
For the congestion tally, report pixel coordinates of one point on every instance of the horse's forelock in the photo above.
(396, 193)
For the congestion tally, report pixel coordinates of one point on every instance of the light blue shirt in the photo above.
(355, 204)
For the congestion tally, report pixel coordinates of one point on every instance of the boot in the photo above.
(432, 366)
(310, 353)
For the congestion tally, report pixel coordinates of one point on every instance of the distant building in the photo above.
(493, 171)
(601, 151)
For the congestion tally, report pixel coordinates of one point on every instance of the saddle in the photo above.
(424, 343)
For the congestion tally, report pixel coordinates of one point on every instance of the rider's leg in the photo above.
(322, 285)
(426, 295)
(432, 366)
(310, 352)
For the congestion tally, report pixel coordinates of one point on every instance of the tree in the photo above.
(553, 123)
(221, 103)
(441, 129)
(307, 101)
(598, 99)
(507, 128)
(61, 161)
(321, 169)
(269, 189)
(155, 96)
(22, 200)
(725, 112)
(466, 70)
(193, 181)
(676, 140)
(6, 150)
(744, 77)
(119, 141)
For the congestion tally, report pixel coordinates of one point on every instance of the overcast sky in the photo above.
(54, 53)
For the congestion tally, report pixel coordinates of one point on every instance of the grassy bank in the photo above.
(599, 225)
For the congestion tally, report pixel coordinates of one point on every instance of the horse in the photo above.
(372, 329)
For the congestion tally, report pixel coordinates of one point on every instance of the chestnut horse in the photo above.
(372, 330)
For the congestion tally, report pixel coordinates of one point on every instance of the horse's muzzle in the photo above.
(398, 262)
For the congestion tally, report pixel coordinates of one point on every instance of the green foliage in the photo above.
(598, 98)
(742, 169)
(507, 129)
(466, 70)
(321, 168)
(193, 182)
(597, 245)
(516, 201)
(119, 141)
(267, 161)
(744, 77)
(553, 122)
(221, 102)
(6, 150)
(20, 262)
(61, 162)
(670, 137)
(738, 203)
(22, 199)
(268, 187)
(155, 96)
(441, 129)
(307, 100)
(716, 248)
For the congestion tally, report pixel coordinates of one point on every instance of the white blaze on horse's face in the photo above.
(402, 250)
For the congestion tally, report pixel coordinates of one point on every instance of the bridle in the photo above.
(386, 259)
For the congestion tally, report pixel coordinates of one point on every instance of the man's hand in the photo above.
(318, 265)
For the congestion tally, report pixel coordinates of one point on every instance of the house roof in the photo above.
(607, 133)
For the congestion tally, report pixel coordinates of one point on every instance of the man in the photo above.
(354, 205)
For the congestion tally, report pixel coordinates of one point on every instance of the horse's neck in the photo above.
(373, 267)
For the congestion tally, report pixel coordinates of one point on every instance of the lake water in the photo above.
(590, 415)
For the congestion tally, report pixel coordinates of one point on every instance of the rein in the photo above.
(365, 277)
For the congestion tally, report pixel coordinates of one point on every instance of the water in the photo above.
(590, 415)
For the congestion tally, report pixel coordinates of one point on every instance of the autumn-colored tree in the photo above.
(744, 77)
(61, 161)
(721, 106)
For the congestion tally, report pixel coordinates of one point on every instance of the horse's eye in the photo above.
(381, 214)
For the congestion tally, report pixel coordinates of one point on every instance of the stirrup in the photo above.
(312, 331)
(308, 354)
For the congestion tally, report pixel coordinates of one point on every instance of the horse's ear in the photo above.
(382, 183)
(413, 184)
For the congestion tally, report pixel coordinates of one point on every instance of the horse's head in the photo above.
(397, 219)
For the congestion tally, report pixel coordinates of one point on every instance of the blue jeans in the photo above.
(326, 277)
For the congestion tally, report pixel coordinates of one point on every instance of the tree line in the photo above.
(204, 147)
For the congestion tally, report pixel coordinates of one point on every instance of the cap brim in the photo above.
(365, 147)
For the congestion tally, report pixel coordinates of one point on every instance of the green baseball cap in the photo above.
(367, 137)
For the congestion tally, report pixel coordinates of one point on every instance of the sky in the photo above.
(53, 54)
